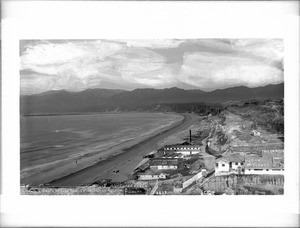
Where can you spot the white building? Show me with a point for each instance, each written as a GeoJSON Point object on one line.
{"type": "Point", "coordinates": [186, 150]}
{"type": "Point", "coordinates": [255, 133]}
{"type": "Point", "coordinates": [229, 164]}
{"type": "Point", "coordinates": [264, 165]}
{"type": "Point", "coordinates": [150, 175]}
{"type": "Point", "coordinates": [270, 162]}
{"type": "Point", "coordinates": [163, 164]}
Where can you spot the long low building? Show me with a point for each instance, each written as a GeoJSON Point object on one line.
{"type": "Point", "coordinates": [186, 150]}
{"type": "Point", "coordinates": [150, 175]}
{"type": "Point", "coordinates": [163, 164]}
{"type": "Point", "coordinates": [262, 165]}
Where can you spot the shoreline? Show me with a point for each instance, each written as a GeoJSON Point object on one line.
{"type": "Point", "coordinates": [125, 161]}
{"type": "Point", "coordinates": [67, 169]}
{"type": "Point", "coordinates": [89, 113]}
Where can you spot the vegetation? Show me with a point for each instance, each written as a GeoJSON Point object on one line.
{"type": "Point", "coordinates": [268, 114]}
{"type": "Point", "coordinates": [221, 138]}
{"type": "Point", "coordinates": [199, 108]}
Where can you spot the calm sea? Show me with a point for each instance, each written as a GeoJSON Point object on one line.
{"type": "Point", "coordinates": [50, 139]}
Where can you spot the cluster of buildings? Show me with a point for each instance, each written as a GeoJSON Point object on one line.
{"type": "Point", "coordinates": [168, 162]}
{"type": "Point", "coordinates": [164, 163]}
{"type": "Point", "coordinates": [269, 162]}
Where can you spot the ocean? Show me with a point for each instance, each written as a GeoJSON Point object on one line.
{"type": "Point", "coordinates": [47, 142]}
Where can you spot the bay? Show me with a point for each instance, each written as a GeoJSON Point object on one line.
{"type": "Point", "coordinates": [48, 142]}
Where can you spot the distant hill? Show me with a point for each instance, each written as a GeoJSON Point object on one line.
{"type": "Point", "coordinates": [65, 102]}
{"type": "Point", "coordinates": [99, 100]}
{"type": "Point", "coordinates": [244, 93]}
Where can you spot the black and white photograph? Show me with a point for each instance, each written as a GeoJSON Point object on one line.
{"type": "Point", "coordinates": [153, 117]}
{"type": "Point", "coordinates": [149, 114]}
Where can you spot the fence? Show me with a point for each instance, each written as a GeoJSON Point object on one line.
{"type": "Point", "coordinates": [192, 180]}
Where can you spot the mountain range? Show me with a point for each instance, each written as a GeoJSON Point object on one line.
{"type": "Point", "coordinates": [99, 100]}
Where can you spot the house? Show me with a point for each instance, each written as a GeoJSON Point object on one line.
{"type": "Point", "coordinates": [264, 165]}
{"type": "Point", "coordinates": [269, 162]}
{"type": "Point", "coordinates": [142, 167]}
{"type": "Point", "coordinates": [229, 164]}
{"type": "Point", "coordinates": [163, 164]}
{"type": "Point", "coordinates": [150, 175]}
{"type": "Point", "coordinates": [255, 133]}
{"type": "Point", "coordinates": [186, 150]}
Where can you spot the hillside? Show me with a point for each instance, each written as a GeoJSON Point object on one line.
{"type": "Point", "coordinates": [100, 100]}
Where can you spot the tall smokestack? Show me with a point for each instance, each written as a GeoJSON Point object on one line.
{"type": "Point", "coordinates": [190, 135]}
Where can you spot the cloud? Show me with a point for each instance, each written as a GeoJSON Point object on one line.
{"type": "Point", "coordinates": [163, 76]}
{"type": "Point", "coordinates": [267, 50]}
{"type": "Point", "coordinates": [155, 43]}
{"type": "Point", "coordinates": [211, 71]}
{"type": "Point", "coordinates": [36, 83]}
{"type": "Point", "coordinates": [206, 63]}
{"type": "Point", "coordinates": [133, 62]}
{"type": "Point", "coordinates": [79, 59]}
{"type": "Point", "coordinates": [76, 65]}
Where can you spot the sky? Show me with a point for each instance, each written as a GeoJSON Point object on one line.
{"type": "Point", "coordinates": [206, 64]}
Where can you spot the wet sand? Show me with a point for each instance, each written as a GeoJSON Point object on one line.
{"type": "Point", "coordinates": [121, 166]}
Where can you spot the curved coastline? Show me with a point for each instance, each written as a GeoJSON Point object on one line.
{"type": "Point", "coordinates": [132, 152]}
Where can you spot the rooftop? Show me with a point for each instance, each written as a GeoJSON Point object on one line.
{"type": "Point", "coordinates": [163, 161]}
{"type": "Point", "coordinates": [174, 147]}
{"type": "Point", "coordinates": [272, 153]}
{"type": "Point", "coordinates": [151, 172]}
{"type": "Point", "coordinates": [172, 155]}
{"type": "Point", "coordinates": [261, 162]}
{"type": "Point", "coordinates": [232, 158]}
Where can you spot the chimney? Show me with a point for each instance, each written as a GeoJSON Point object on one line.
{"type": "Point", "coordinates": [190, 135]}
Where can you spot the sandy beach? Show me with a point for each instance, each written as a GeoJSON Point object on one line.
{"type": "Point", "coordinates": [77, 144]}
{"type": "Point", "coordinates": [120, 166]}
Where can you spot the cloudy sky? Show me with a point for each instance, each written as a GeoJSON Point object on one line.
{"type": "Point", "coordinates": [207, 64]}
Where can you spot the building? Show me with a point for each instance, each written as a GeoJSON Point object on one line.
{"type": "Point", "coordinates": [142, 167]}
{"type": "Point", "coordinates": [255, 133]}
{"type": "Point", "coordinates": [186, 150]}
{"type": "Point", "coordinates": [264, 165]}
{"type": "Point", "coordinates": [151, 154]}
{"type": "Point", "coordinates": [150, 175]}
{"type": "Point", "coordinates": [163, 164]}
{"type": "Point", "coordinates": [229, 165]}
{"type": "Point", "coordinates": [172, 155]}
{"type": "Point", "coordinates": [269, 162]}
{"type": "Point", "coordinates": [273, 153]}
